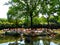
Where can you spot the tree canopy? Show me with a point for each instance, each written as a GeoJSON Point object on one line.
{"type": "Point", "coordinates": [29, 9]}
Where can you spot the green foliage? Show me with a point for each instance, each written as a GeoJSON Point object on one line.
{"type": "Point", "coordinates": [27, 12]}
{"type": "Point", "coordinates": [22, 9]}
{"type": "Point", "coordinates": [3, 20]}
{"type": "Point", "coordinates": [4, 23]}
{"type": "Point", "coordinates": [34, 7]}
{"type": "Point", "coordinates": [59, 19]}
{"type": "Point", "coordinates": [57, 37]}
{"type": "Point", "coordinates": [36, 20]}
{"type": "Point", "coordinates": [43, 20]}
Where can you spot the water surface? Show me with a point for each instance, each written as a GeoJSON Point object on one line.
{"type": "Point", "coordinates": [34, 41]}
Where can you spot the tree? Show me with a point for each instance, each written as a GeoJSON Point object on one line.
{"type": "Point", "coordinates": [49, 8]}
{"type": "Point", "coordinates": [32, 8]}
{"type": "Point", "coordinates": [23, 8]}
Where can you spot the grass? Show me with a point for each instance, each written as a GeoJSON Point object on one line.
{"type": "Point", "coordinates": [1, 32]}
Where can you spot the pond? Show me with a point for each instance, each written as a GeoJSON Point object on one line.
{"type": "Point", "coordinates": [34, 41]}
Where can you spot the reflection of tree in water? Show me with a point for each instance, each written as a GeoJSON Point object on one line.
{"type": "Point", "coordinates": [38, 42]}
{"type": "Point", "coordinates": [28, 41]}
{"type": "Point", "coordinates": [46, 42]}
{"type": "Point", "coordinates": [59, 44]}
{"type": "Point", "coordinates": [32, 41]}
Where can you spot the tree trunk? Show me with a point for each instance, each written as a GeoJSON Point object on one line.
{"type": "Point", "coordinates": [31, 21]}
{"type": "Point", "coordinates": [48, 22]}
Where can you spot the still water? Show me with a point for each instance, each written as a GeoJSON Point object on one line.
{"type": "Point", "coordinates": [34, 41]}
{"type": "Point", "coordinates": [40, 42]}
